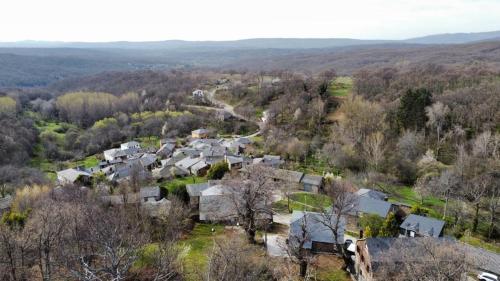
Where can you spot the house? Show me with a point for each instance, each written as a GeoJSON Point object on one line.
{"type": "Point", "coordinates": [415, 226]}
{"type": "Point", "coordinates": [366, 205]}
{"type": "Point", "coordinates": [234, 162]}
{"type": "Point", "coordinates": [119, 153]}
{"type": "Point", "coordinates": [200, 169]}
{"type": "Point", "coordinates": [194, 191]}
{"type": "Point", "coordinates": [152, 193]}
{"type": "Point", "coordinates": [148, 161]}
{"type": "Point", "coordinates": [312, 183]}
{"type": "Point", "coordinates": [293, 178]}
{"type": "Point", "coordinates": [381, 258]}
{"type": "Point", "coordinates": [166, 150]}
{"type": "Point", "coordinates": [319, 237]}
{"type": "Point", "coordinates": [373, 194]}
{"type": "Point", "coordinates": [187, 163]}
{"type": "Point", "coordinates": [129, 145]}
{"type": "Point", "coordinates": [200, 134]}
{"type": "Point", "coordinates": [484, 260]}
{"type": "Point", "coordinates": [72, 176]}
{"type": "Point", "coordinates": [213, 154]}
{"type": "Point", "coordinates": [198, 93]}
{"type": "Point", "coordinates": [169, 172]}
{"type": "Point", "coordinates": [216, 204]}
{"type": "Point", "coordinates": [274, 161]}
{"type": "Point", "coordinates": [5, 204]}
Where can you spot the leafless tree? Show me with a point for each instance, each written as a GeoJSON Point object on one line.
{"type": "Point", "coordinates": [374, 149]}
{"type": "Point", "coordinates": [343, 202]}
{"type": "Point", "coordinates": [295, 248]}
{"type": "Point", "coordinates": [424, 259]}
{"type": "Point", "coordinates": [112, 241]}
{"type": "Point", "coordinates": [231, 260]}
{"type": "Point", "coordinates": [251, 195]}
{"type": "Point", "coordinates": [436, 115]}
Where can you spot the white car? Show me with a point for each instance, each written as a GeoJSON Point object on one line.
{"type": "Point", "coordinates": [484, 276]}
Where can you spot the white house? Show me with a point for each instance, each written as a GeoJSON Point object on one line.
{"type": "Point", "coordinates": [198, 93]}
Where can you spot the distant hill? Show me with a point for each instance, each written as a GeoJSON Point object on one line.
{"type": "Point", "coordinates": [32, 67]}
{"type": "Point", "coordinates": [259, 43]}
{"type": "Point", "coordinates": [456, 38]}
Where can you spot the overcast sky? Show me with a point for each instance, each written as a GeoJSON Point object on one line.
{"type": "Point", "coordinates": [148, 20]}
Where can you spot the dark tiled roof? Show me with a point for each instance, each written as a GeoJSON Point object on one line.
{"type": "Point", "coordinates": [152, 191]}
{"type": "Point", "coordinates": [312, 179]}
{"type": "Point", "coordinates": [423, 225]}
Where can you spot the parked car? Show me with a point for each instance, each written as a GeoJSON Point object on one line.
{"type": "Point", "coordinates": [484, 276]}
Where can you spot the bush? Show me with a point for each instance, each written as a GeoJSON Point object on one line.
{"type": "Point", "coordinates": [372, 222]}
{"type": "Point", "coordinates": [180, 191]}
{"type": "Point", "coordinates": [217, 171]}
{"type": "Point", "coordinates": [418, 210]}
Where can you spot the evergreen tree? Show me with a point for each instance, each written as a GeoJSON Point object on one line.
{"type": "Point", "coordinates": [411, 112]}
{"type": "Point", "coordinates": [390, 226]}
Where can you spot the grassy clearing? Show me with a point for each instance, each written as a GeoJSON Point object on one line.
{"type": "Point", "coordinates": [303, 201]}
{"type": "Point", "coordinates": [477, 242]}
{"type": "Point", "coordinates": [340, 86]}
{"type": "Point", "coordinates": [199, 242]}
{"type": "Point", "coordinates": [87, 162]}
{"type": "Point", "coordinates": [169, 185]}
{"type": "Point", "coordinates": [151, 141]}
{"type": "Point", "coordinates": [330, 268]}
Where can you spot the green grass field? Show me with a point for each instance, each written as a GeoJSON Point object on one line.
{"type": "Point", "coordinates": [303, 201]}
{"type": "Point", "coordinates": [477, 242]}
{"type": "Point", "coordinates": [169, 185]}
{"type": "Point", "coordinates": [199, 242]}
{"type": "Point", "coordinates": [341, 86]}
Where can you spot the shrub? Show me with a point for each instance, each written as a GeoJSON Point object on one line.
{"type": "Point", "coordinates": [180, 191]}
{"type": "Point", "coordinates": [217, 171]}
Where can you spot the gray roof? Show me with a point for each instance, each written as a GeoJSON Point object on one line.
{"type": "Point", "coordinates": [234, 160]}
{"type": "Point", "coordinates": [423, 225]}
{"type": "Point", "coordinates": [371, 194]}
{"type": "Point", "coordinates": [148, 159]}
{"type": "Point", "coordinates": [216, 151]}
{"type": "Point", "coordinates": [201, 131]}
{"type": "Point", "coordinates": [187, 162]}
{"type": "Point", "coordinates": [198, 166]}
{"type": "Point", "coordinates": [197, 188]}
{"type": "Point", "coordinates": [312, 179]}
{"type": "Point", "coordinates": [166, 148]}
{"type": "Point", "coordinates": [316, 230]}
{"type": "Point", "coordinates": [152, 191]}
{"type": "Point", "coordinates": [284, 175]}
{"type": "Point", "coordinates": [71, 175]}
{"type": "Point", "coordinates": [368, 205]}
{"type": "Point", "coordinates": [5, 202]}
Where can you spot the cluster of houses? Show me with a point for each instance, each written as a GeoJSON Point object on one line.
{"type": "Point", "coordinates": [370, 258]}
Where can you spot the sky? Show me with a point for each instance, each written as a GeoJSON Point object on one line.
{"type": "Point", "coordinates": [155, 20]}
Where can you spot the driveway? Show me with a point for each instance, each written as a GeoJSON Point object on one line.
{"type": "Point", "coordinates": [276, 245]}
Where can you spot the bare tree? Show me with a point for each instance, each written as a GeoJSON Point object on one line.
{"type": "Point", "coordinates": [436, 117]}
{"type": "Point", "coordinates": [231, 260]}
{"type": "Point", "coordinates": [374, 149]}
{"type": "Point", "coordinates": [113, 240]}
{"type": "Point", "coordinates": [251, 195]}
{"type": "Point", "coordinates": [343, 202]}
{"type": "Point", "coordinates": [299, 236]}
{"type": "Point", "coordinates": [424, 259]}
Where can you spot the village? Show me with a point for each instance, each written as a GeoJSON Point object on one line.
{"type": "Point", "coordinates": [327, 226]}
